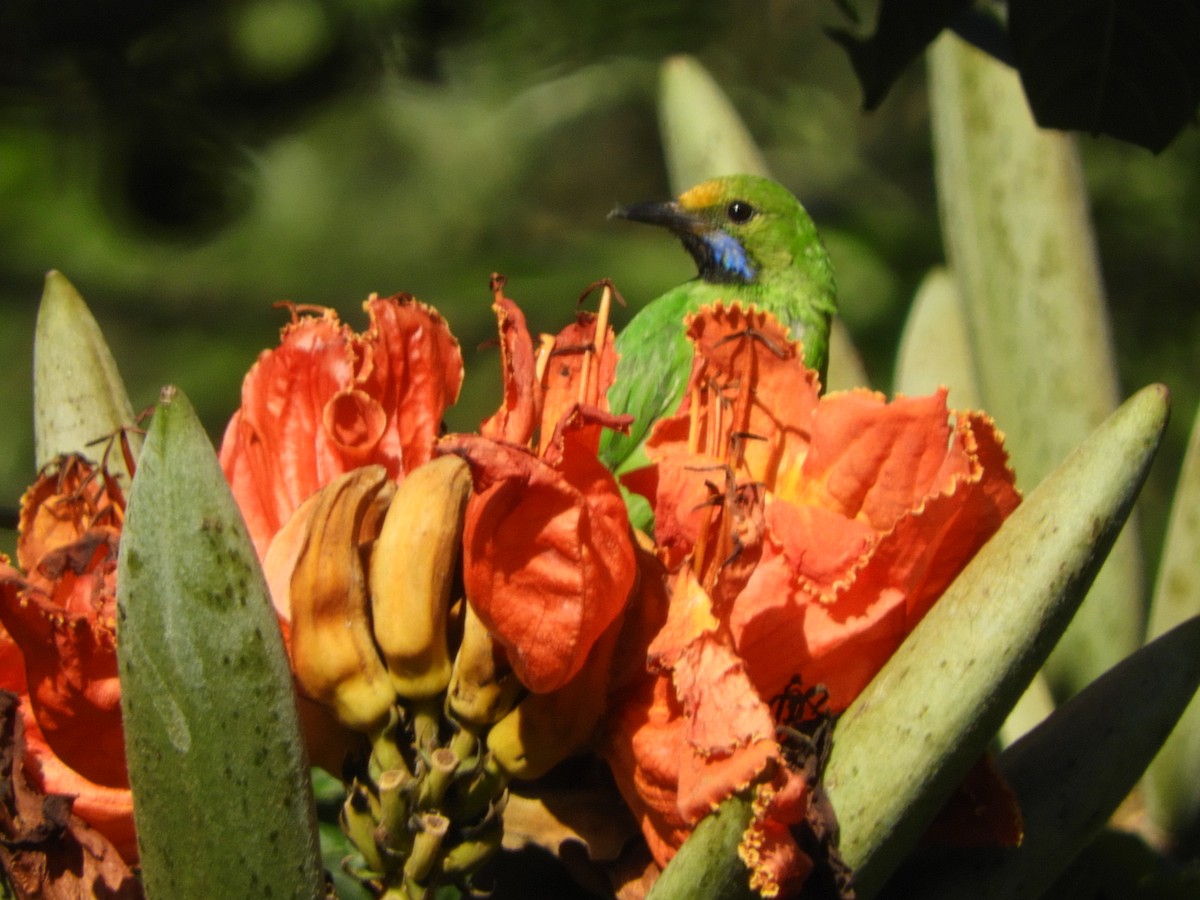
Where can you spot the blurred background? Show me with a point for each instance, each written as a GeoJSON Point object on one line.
{"type": "Point", "coordinates": [188, 164]}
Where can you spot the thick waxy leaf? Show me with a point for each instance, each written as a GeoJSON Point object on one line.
{"type": "Point", "coordinates": [941, 697]}
{"type": "Point", "coordinates": [1173, 780]}
{"type": "Point", "coordinates": [78, 395]}
{"type": "Point", "coordinates": [222, 795]}
{"type": "Point", "coordinates": [1070, 773]}
{"type": "Point", "coordinates": [1015, 215]}
{"type": "Point", "coordinates": [935, 350]}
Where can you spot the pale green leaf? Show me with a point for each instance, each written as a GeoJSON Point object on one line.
{"type": "Point", "coordinates": [936, 352]}
{"type": "Point", "coordinates": [934, 349]}
{"type": "Point", "coordinates": [1020, 242]}
{"type": "Point", "coordinates": [78, 396]}
{"type": "Point", "coordinates": [703, 136]}
{"type": "Point", "coordinates": [846, 367]}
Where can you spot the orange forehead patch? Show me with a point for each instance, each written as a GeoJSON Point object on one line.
{"type": "Point", "coordinates": [702, 196]}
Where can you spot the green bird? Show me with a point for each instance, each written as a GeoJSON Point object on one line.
{"type": "Point", "coordinates": [752, 241]}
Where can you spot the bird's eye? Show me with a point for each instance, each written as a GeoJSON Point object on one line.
{"type": "Point", "coordinates": [739, 211]}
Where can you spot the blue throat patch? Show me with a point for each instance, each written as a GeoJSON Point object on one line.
{"type": "Point", "coordinates": [728, 256]}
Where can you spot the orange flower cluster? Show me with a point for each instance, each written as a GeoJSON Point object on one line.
{"type": "Point", "coordinates": [548, 557]}
{"type": "Point", "coordinates": [58, 649]}
{"type": "Point", "coordinates": [338, 419]}
{"type": "Point", "coordinates": [457, 697]}
{"type": "Point", "coordinates": [798, 539]}
{"type": "Point", "coordinates": [805, 536]}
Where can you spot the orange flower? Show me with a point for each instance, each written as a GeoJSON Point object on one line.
{"type": "Point", "coordinates": [328, 400]}
{"type": "Point", "coordinates": [548, 558]}
{"type": "Point", "coordinates": [805, 536]}
{"type": "Point", "coordinates": [58, 649]}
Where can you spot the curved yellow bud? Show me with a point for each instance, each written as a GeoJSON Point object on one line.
{"type": "Point", "coordinates": [333, 654]}
{"type": "Point", "coordinates": [544, 729]}
{"type": "Point", "coordinates": [482, 688]}
{"type": "Point", "coordinates": [412, 569]}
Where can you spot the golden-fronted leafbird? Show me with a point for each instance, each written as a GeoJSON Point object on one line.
{"type": "Point", "coordinates": [752, 241]}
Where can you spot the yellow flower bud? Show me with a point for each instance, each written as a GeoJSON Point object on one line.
{"type": "Point", "coordinates": [334, 657]}
{"type": "Point", "coordinates": [412, 569]}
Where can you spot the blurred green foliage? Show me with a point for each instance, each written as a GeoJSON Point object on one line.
{"type": "Point", "coordinates": [188, 164]}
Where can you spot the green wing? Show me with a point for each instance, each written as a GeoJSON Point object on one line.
{"type": "Point", "coordinates": [655, 361]}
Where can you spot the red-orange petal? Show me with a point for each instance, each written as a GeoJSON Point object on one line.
{"type": "Point", "coordinates": [548, 559]}
{"type": "Point", "coordinates": [71, 667]}
{"type": "Point", "coordinates": [577, 374]}
{"type": "Point", "coordinates": [841, 628]}
{"type": "Point", "coordinates": [874, 460]}
{"type": "Point", "coordinates": [62, 615]}
{"type": "Point", "coordinates": [643, 744]}
{"type": "Point", "coordinates": [521, 410]}
{"type": "Point", "coordinates": [328, 400]}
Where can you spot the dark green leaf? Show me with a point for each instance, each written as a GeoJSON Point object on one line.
{"type": "Point", "coordinates": [902, 32]}
{"type": "Point", "coordinates": [849, 9]}
{"type": "Point", "coordinates": [1070, 773]}
{"type": "Point", "coordinates": [1126, 68]}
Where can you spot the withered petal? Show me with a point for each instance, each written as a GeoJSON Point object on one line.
{"type": "Point", "coordinates": [521, 410]}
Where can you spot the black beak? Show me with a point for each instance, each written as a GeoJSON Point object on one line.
{"type": "Point", "coordinates": [667, 213]}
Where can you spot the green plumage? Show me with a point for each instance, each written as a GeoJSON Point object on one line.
{"type": "Point", "coordinates": [752, 241]}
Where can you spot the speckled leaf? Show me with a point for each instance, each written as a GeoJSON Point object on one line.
{"type": "Point", "coordinates": [78, 395]}
{"type": "Point", "coordinates": [942, 695]}
{"type": "Point", "coordinates": [707, 866]}
{"type": "Point", "coordinates": [1019, 239]}
{"type": "Point", "coordinates": [222, 796]}
{"type": "Point", "coordinates": [1173, 780]}
{"type": "Point", "coordinates": [935, 351]}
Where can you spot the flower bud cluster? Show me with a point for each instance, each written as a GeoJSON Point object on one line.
{"type": "Point", "coordinates": [378, 638]}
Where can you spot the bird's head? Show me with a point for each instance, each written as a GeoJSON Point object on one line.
{"type": "Point", "coordinates": [737, 228]}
